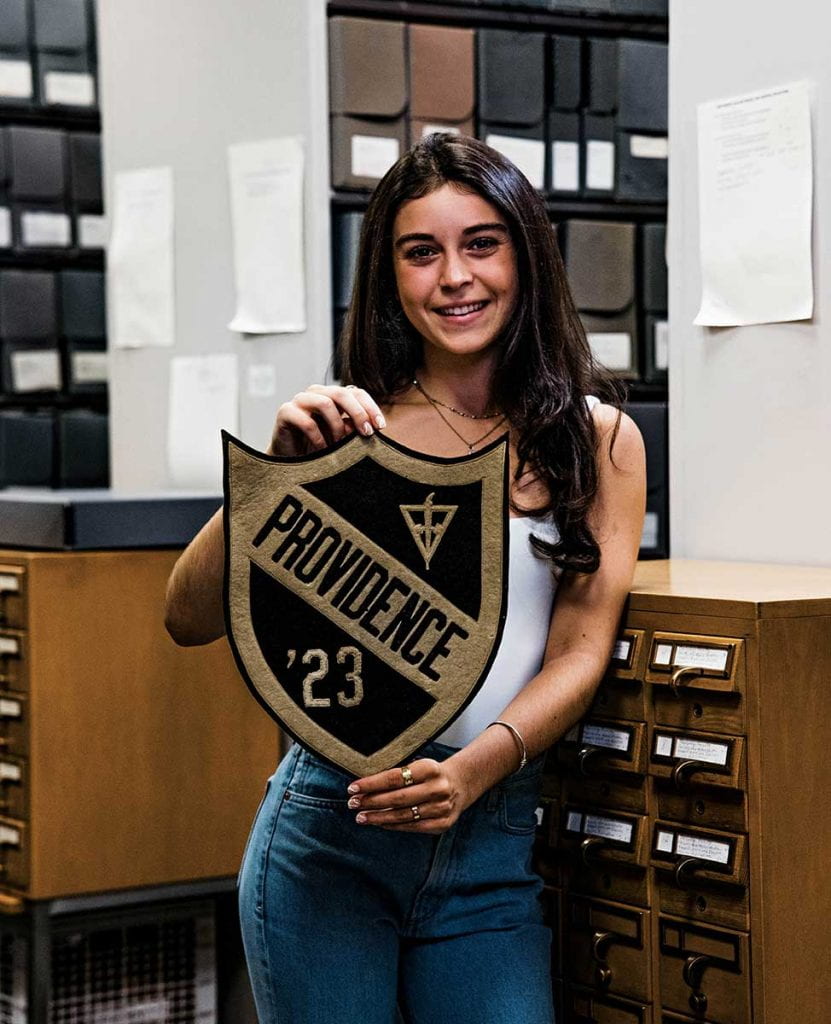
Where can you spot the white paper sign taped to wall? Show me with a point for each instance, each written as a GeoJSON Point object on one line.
{"type": "Point", "coordinates": [266, 180]}
{"type": "Point", "coordinates": [755, 188]}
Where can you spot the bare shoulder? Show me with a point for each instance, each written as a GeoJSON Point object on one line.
{"type": "Point", "coordinates": [619, 436]}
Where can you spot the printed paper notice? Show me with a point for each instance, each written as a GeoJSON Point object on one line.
{"type": "Point", "coordinates": [203, 401]}
{"type": "Point", "coordinates": [140, 259]}
{"type": "Point", "coordinates": [267, 212]}
{"type": "Point", "coordinates": [755, 185]}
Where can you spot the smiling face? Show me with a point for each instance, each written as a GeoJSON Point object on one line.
{"type": "Point", "coordinates": [455, 267]}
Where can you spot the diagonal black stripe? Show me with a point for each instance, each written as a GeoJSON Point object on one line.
{"type": "Point", "coordinates": [369, 496]}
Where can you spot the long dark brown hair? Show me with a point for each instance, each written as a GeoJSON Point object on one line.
{"type": "Point", "coordinates": [545, 367]}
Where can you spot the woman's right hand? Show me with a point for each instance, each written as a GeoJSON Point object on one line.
{"type": "Point", "coordinates": [320, 416]}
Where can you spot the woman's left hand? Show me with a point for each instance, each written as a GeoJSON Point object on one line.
{"type": "Point", "coordinates": [430, 804]}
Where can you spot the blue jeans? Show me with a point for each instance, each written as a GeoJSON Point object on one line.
{"type": "Point", "coordinates": [343, 922]}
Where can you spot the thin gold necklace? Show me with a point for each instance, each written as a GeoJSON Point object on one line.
{"type": "Point", "coordinates": [471, 445]}
{"type": "Point", "coordinates": [467, 415]}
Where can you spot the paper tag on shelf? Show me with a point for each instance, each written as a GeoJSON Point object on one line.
{"type": "Point", "coordinates": [663, 746]}
{"type": "Point", "coordinates": [69, 88]}
{"type": "Point", "coordinates": [663, 654]}
{"type": "Point", "coordinates": [527, 154]}
{"type": "Point", "coordinates": [90, 367]}
{"type": "Point", "coordinates": [36, 370]}
{"type": "Point", "coordinates": [612, 348]}
{"type": "Point", "coordinates": [10, 772]}
{"type": "Point", "coordinates": [665, 842]}
{"type": "Point", "coordinates": [649, 147]}
{"type": "Point", "coordinates": [565, 166]}
{"type": "Point", "coordinates": [5, 227]}
{"type": "Point", "coordinates": [45, 228]}
{"type": "Point", "coordinates": [431, 129]}
{"type": "Point", "coordinates": [9, 583]}
{"type": "Point", "coordinates": [574, 821]}
{"type": "Point", "coordinates": [16, 79]}
{"type": "Point", "coordinates": [661, 345]}
{"type": "Point", "coordinates": [372, 156]}
{"type": "Point", "coordinates": [93, 231]}
{"type": "Point", "coordinates": [600, 165]}
{"type": "Point", "coordinates": [9, 836]}
{"type": "Point", "coordinates": [649, 534]}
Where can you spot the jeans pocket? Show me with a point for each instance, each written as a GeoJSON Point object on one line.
{"type": "Point", "coordinates": [316, 783]}
{"type": "Point", "coordinates": [518, 799]}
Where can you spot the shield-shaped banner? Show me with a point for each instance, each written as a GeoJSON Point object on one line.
{"type": "Point", "coordinates": [365, 590]}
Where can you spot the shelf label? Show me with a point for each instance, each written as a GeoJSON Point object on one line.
{"type": "Point", "coordinates": [10, 772]}
{"type": "Point", "coordinates": [661, 345]}
{"type": "Point", "coordinates": [89, 367]}
{"type": "Point", "coordinates": [372, 156]}
{"type": "Point", "coordinates": [5, 227]}
{"type": "Point", "coordinates": [432, 129]}
{"type": "Point", "coordinates": [600, 165]}
{"type": "Point", "coordinates": [43, 228]}
{"type": "Point", "coordinates": [93, 231]}
{"type": "Point", "coordinates": [649, 147]}
{"type": "Point", "coordinates": [603, 736]}
{"type": "Point", "coordinates": [612, 348]}
{"type": "Point", "coordinates": [16, 79]}
{"type": "Point", "coordinates": [665, 842]}
{"type": "Point", "coordinates": [69, 88]}
{"type": "Point", "coordinates": [565, 166]}
{"type": "Point", "coordinates": [527, 154]}
{"type": "Point", "coordinates": [36, 370]}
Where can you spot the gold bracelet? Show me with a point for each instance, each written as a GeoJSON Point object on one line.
{"type": "Point", "coordinates": [523, 753]}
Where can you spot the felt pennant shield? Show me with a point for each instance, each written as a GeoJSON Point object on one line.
{"type": "Point", "coordinates": [365, 590]}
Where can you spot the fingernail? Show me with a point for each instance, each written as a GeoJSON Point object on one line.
{"type": "Point", "coordinates": [379, 419]}
{"type": "Point", "coordinates": [367, 428]}
{"type": "Point", "coordinates": [361, 819]}
{"type": "Point", "coordinates": [354, 802]}
{"type": "Point", "coordinates": [353, 788]}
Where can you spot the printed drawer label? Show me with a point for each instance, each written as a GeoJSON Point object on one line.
{"type": "Point", "coordinates": [691, 749]}
{"type": "Point", "coordinates": [9, 645]}
{"type": "Point", "coordinates": [703, 849]}
{"type": "Point", "coordinates": [702, 657]}
{"type": "Point", "coordinates": [10, 708]}
{"type": "Point", "coordinates": [603, 736]}
{"type": "Point", "coordinates": [10, 772]}
{"type": "Point", "coordinates": [608, 828]}
{"type": "Point", "coordinates": [9, 836]}
{"type": "Point", "coordinates": [622, 649]}
{"type": "Point", "coordinates": [9, 583]}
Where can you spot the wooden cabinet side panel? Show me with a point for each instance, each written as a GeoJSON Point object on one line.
{"type": "Point", "coordinates": [148, 760]}
{"type": "Point", "coordinates": [794, 840]}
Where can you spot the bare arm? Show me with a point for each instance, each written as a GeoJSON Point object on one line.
{"type": "Point", "coordinates": [583, 630]}
{"type": "Point", "coordinates": [312, 420]}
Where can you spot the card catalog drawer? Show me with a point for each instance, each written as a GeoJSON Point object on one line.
{"type": "Point", "coordinates": [724, 809]}
{"type": "Point", "coordinates": [14, 786]}
{"type": "Point", "coordinates": [585, 1007]}
{"type": "Point", "coordinates": [13, 596]}
{"type": "Point", "coordinates": [683, 661]}
{"type": "Point", "coordinates": [14, 660]}
{"type": "Point", "coordinates": [690, 760]}
{"type": "Point", "coordinates": [701, 873]}
{"type": "Point", "coordinates": [705, 972]}
{"type": "Point", "coordinates": [708, 710]}
{"type": "Point", "coordinates": [14, 723]}
{"type": "Point", "coordinates": [628, 655]}
{"type": "Point", "coordinates": [607, 948]}
{"type": "Point", "coordinates": [620, 698]}
{"type": "Point", "coordinates": [621, 794]}
{"type": "Point", "coordinates": [605, 854]}
{"type": "Point", "coordinates": [14, 853]}
{"type": "Point", "coordinates": [605, 748]}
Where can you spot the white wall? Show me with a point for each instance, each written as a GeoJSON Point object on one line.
{"type": "Point", "coordinates": [180, 81]}
{"type": "Point", "coordinates": [750, 407]}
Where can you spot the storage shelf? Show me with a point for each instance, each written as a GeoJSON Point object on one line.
{"type": "Point", "coordinates": [531, 19]}
{"type": "Point", "coordinates": [558, 208]}
{"type": "Point", "coordinates": [64, 259]}
{"type": "Point", "coordinates": [51, 117]}
{"type": "Point", "coordinates": [49, 401]}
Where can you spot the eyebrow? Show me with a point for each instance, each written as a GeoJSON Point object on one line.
{"type": "Point", "coordinates": [472, 230]}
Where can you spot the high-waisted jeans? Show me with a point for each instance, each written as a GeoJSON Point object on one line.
{"type": "Point", "coordinates": [342, 923]}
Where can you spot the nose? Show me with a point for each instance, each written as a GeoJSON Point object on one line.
{"type": "Point", "coordinates": [455, 273]}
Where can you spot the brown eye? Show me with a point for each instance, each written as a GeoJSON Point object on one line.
{"type": "Point", "coordinates": [483, 243]}
{"type": "Point", "coordinates": [419, 252]}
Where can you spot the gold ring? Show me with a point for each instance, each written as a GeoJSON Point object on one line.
{"type": "Point", "coordinates": [407, 776]}
{"type": "Point", "coordinates": [416, 813]}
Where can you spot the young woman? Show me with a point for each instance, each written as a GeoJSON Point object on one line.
{"type": "Point", "coordinates": [412, 887]}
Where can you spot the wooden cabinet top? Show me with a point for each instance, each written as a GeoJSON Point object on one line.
{"type": "Point", "coordinates": [740, 589]}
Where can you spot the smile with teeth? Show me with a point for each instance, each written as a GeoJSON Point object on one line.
{"type": "Point", "coordinates": [470, 307]}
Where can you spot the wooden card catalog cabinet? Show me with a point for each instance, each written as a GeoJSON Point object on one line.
{"type": "Point", "coordinates": [686, 832]}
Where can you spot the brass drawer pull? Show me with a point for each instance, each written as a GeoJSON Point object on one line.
{"type": "Point", "coordinates": [681, 677]}
{"type": "Point", "coordinates": [684, 769]}
{"type": "Point", "coordinates": [693, 973]}
{"type": "Point", "coordinates": [589, 844]}
{"type": "Point", "coordinates": [586, 759]}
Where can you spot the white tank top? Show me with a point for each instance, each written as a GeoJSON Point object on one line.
{"type": "Point", "coordinates": [531, 589]}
